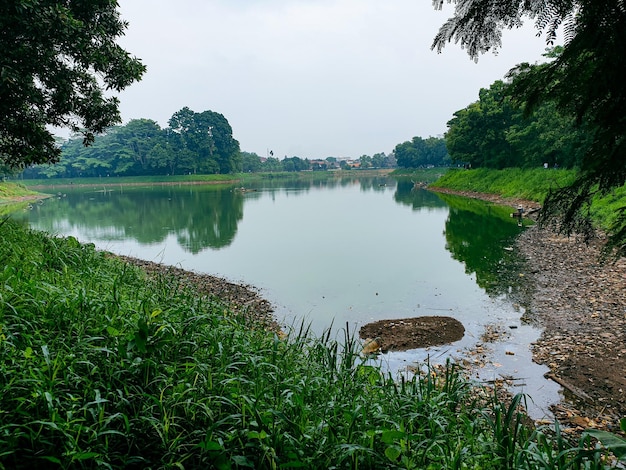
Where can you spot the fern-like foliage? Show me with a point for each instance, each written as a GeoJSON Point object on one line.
{"type": "Point", "coordinates": [477, 24]}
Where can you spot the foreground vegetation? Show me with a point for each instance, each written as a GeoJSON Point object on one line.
{"type": "Point", "coordinates": [104, 367]}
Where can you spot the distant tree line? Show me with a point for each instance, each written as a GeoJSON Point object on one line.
{"type": "Point", "coordinates": [192, 143]}
{"type": "Point", "coordinates": [252, 162]}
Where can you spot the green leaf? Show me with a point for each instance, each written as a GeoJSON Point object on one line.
{"type": "Point", "coordinates": [294, 464]}
{"type": "Point", "coordinates": [242, 461]}
{"type": "Point", "coordinates": [391, 436]}
{"type": "Point", "coordinates": [393, 453]}
{"type": "Point", "coordinates": [85, 455]}
{"type": "Point", "coordinates": [257, 435]}
{"type": "Point", "coordinates": [112, 331]}
{"type": "Point", "coordinates": [614, 443]}
{"type": "Point", "coordinates": [210, 445]}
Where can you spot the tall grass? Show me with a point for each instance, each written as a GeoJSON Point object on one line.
{"type": "Point", "coordinates": [102, 367]}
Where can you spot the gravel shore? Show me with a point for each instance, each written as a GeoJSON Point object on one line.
{"type": "Point", "coordinates": [241, 299]}
{"type": "Point", "coordinates": [580, 303]}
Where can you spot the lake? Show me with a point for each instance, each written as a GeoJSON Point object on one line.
{"type": "Point", "coordinates": [332, 252]}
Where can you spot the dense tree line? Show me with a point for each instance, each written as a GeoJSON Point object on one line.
{"type": "Point", "coordinates": [498, 131]}
{"type": "Point", "coordinates": [252, 162]}
{"type": "Point", "coordinates": [192, 143]}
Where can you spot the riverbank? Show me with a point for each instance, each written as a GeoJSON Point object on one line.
{"type": "Point", "coordinates": [580, 304]}
{"type": "Point", "coordinates": [12, 193]}
{"type": "Point", "coordinates": [569, 270]}
{"type": "Point", "coordinates": [241, 299]}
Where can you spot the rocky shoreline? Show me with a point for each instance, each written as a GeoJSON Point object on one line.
{"type": "Point", "coordinates": [239, 298]}
{"type": "Point", "coordinates": [579, 303]}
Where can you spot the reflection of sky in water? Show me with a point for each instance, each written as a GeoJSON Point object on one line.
{"type": "Point", "coordinates": [339, 256]}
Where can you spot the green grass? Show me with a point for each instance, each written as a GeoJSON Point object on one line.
{"type": "Point", "coordinates": [421, 175]}
{"type": "Point", "coordinates": [130, 180]}
{"type": "Point", "coordinates": [228, 178]}
{"type": "Point", "coordinates": [10, 191]}
{"type": "Point", "coordinates": [532, 185]}
{"type": "Point", "coordinates": [512, 182]}
{"type": "Point", "coordinates": [103, 367]}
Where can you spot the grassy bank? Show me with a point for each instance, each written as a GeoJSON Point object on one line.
{"type": "Point", "coordinates": [532, 185]}
{"type": "Point", "coordinates": [105, 367]}
{"type": "Point", "coordinates": [209, 179]}
{"type": "Point", "coordinates": [10, 192]}
{"type": "Point", "coordinates": [54, 182]}
{"type": "Point", "coordinates": [15, 197]}
{"type": "Point", "coordinates": [421, 175]}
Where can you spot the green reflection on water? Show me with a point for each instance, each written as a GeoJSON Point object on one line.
{"type": "Point", "coordinates": [481, 235]}
{"type": "Point", "coordinates": [207, 216]}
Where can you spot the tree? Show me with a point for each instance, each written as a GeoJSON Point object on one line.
{"type": "Point", "coordinates": [137, 140]}
{"type": "Point", "coordinates": [365, 161]}
{"type": "Point", "coordinates": [251, 162]}
{"type": "Point", "coordinates": [478, 134]}
{"type": "Point", "coordinates": [421, 152]}
{"type": "Point", "coordinates": [57, 59]}
{"type": "Point", "coordinates": [586, 80]}
{"type": "Point", "coordinates": [495, 132]}
{"type": "Point", "coordinates": [209, 137]}
{"type": "Point", "coordinates": [379, 160]}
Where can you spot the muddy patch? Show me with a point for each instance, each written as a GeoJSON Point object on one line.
{"type": "Point", "coordinates": [412, 333]}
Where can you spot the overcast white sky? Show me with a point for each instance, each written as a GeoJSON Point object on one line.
{"type": "Point", "coordinates": [308, 78]}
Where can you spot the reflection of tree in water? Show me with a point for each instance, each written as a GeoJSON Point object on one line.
{"type": "Point", "coordinates": [200, 217]}
{"type": "Point", "coordinates": [301, 185]}
{"type": "Point", "coordinates": [480, 235]}
{"type": "Point", "coordinates": [212, 221]}
{"type": "Point", "coordinates": [408, 195]}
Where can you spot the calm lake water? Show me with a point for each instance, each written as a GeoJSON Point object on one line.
{"type": "Point", "coordinates": [343, 251]}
